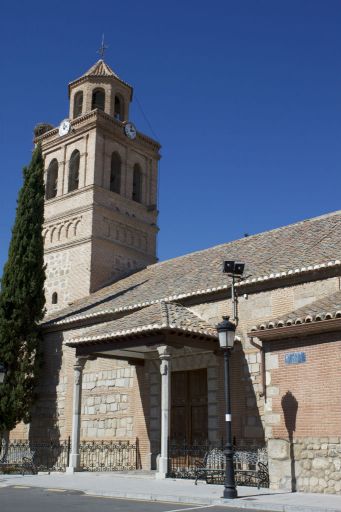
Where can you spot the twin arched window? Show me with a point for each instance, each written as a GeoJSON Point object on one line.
{"type": "Point", "coordinates": [78, 104]}
{"type": "Point", "coordinates": [115, 173]}
{"type": "Point", "coordinates": [52, 180]}
{"type": "Point", "coordinates": [74, 171]}
{"type": "Point", "coordinates": [119, 108]}
{"type": "Point", "coordinates": [98, 99]}
{"type": "Point", "coordinates": [137, 184]}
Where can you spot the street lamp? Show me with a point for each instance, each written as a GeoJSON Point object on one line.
{"type": "Point", "coordinates": [226, 332]}
{"type": "Point", "coordinates": [2, 373]}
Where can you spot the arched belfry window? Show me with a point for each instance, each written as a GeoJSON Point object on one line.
{"type": "Point", "coordinates": [74, 170]}
{"type": "Point", "coordinates": [137, 183]}
{"type": "Point", "coordinates": [51, 180]}
{"type": "Point", "coordinates": [115, 173]}
{"type": "Point", "coordinates": [54, 298]}
{"type": "Point", "coordinates": [119, 108]}
{"type": "Point", "coordinates": [98, 99]}
{"type": "Point", "coordinates": [78, 104]}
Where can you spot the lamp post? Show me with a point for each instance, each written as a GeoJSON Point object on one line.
{"type": "Point", "coordinates": [226, 332]}
{"type": "Point", "coordinates": [2, 373]}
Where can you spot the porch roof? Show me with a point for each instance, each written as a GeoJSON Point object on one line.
{"type": "Point", "coordinates": [158, 317]}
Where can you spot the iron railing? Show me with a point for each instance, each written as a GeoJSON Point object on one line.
{"type": "Point", "coordinates": [250, 463]}
{"type": "Point", "coordinates": [108, 455]}
{"type": "Point", "coordinates": [54, 455]}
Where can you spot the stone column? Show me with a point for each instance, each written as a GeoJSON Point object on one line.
{"type": "Point", "coordinates": [165, 370]}
{"type": "Point", "coordinates": [76, 415]}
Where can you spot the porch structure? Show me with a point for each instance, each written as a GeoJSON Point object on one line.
{"type": "Point", "coordinates": [159, 330]}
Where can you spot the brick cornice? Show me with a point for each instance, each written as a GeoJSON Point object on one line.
{"type": "Point", "coordinates": [90, 120]}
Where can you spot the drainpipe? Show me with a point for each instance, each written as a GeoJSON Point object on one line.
{"type": "Point", "coordinates": [262, 353]}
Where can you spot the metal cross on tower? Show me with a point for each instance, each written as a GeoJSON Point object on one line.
{"type": "Point", "coordinates": [102, 48]}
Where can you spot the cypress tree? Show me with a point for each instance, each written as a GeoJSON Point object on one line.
{"type": "Point", "coordinates": [22, 300]}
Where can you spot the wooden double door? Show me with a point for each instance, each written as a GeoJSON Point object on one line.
{"type": "Point", "coordinates": [189, 420]}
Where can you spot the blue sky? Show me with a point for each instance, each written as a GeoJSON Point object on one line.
{"type": "Point", "coordinates": [244, 96]}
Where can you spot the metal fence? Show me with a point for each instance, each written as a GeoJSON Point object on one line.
{"type": "Point", "coordinates": [108, 455]}
{"type": "Point", "coordinates": [54, 455]}
{"type": "Point", "coordinates": [250, 463]}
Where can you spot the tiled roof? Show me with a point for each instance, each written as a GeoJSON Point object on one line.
{"type": "Point", "coordinates": [306, 246]}
{"type": "Point", "coordinates": [327, 308]}
{"type": "Point", "coordinates": [99, 69]}
{"type": "Point", "coordinates": [158, 317]}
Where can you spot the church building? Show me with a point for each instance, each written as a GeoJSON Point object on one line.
{"type": "Point", "coordinates": [130, 344]}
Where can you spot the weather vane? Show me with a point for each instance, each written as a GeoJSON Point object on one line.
{"type": "Point", "coordinates": [102, 48]}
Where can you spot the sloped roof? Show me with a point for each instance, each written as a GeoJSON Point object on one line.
{"type": "Point", "coordinates": [327, 308]}
{"type": "Point", "coordinates": [158, 317]}
{"type": "Point", "coordinates": [99, 69]}
{"type": "Point", "coordinates": [297, 248]}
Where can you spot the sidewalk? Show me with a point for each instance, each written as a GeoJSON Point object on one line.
{"type": "Point", "coordinates": [146, 487]}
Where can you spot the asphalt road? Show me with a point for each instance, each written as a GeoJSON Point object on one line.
{"type": "Point", "coordinates": [34, 499]}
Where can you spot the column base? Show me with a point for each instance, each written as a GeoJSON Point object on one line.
{"type": "Point", "coordinates": [74, 463]}
{"type": "Point", "coordinates": [162, 468]}
{"type": "Point", "coordinates": [160, 476]}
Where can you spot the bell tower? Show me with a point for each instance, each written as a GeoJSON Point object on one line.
{"type": "Point", "coordinates": [101, 190]}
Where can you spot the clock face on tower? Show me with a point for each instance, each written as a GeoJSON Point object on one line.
{"type": "Point", "coordinates": [64, 127]}
{"type": "Point", "coordinates": [130, 131]}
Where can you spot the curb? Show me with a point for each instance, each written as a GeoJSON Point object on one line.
{"type": "Point", "coordinates": [241, 504]}
{"type": "Point", "coordinates": [236, 504]}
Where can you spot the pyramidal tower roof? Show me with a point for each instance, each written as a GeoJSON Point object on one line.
{"type": "Point", "coordinates": [99, 69]}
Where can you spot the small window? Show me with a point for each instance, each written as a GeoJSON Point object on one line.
{"type": "Point", "coordinates": [52, 180]}
{"type": "Point", "coordinates": [118, 109]}
{"type": "Point", "coordinates": [54, 298]}
{"type": "Point", "coordinates": [78, 104]}
{"type": "Point", "coordinates": [74, 171]}
{"type": "Point", "coordinates": [115, 174]}
{"type": "Point", "coordinates": [98, 99]}
{"type": "Point", "coordinates": [137, 184]}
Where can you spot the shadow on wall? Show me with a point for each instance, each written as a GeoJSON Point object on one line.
{"type": "Point", "coordinates": [247, 428]}
{"type": "Point", "coordinates": [142, 401]}
{"type": "Point", "coordinates": [44, 433]}
{"type": "Point", "coordinates": [290, 407]}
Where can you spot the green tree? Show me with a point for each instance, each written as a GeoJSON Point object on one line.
{"type": "Point", "coordinates": [22, 300]}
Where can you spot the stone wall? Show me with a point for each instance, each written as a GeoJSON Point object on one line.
{"type": "Point", "coordinates": [308, 465]}
{"type": "Point", "coordinates": [106, 411]}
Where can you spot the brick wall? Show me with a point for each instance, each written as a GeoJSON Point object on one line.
{"type": "Point", "coordinates": [303, 414]}
{"type": "Point", "coordinates": [314, 387]}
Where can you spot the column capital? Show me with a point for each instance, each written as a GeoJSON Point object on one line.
{"type": "Point", "coordinates": [165, 351]}
{"type": "Point", "coordinates": [80, 363]}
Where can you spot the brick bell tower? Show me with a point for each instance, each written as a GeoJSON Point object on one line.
{"type": "Point", "coordinates": [101, 190]}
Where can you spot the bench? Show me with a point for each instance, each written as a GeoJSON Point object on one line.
{"type": "Point", "coordinates": [20, 459]}
{"type": "Point", "coordinates": [249, 469]}
{"type": "Point", "coordinates": [212, 467]}
{"type": "Point", "coordinates": [251, 466]}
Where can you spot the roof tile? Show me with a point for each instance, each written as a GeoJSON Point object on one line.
{"type": "Point", "coordinates": [151, 318]}
{"type": "Point", "coordinates": [284, 251]}
{"type": "Point", "coordinates": [326, 308]}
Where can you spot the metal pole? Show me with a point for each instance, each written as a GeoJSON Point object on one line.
{"type": "Point", "coordinates": [230, 490]}
{"type": "Point", "coordinates": [233, 297]}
